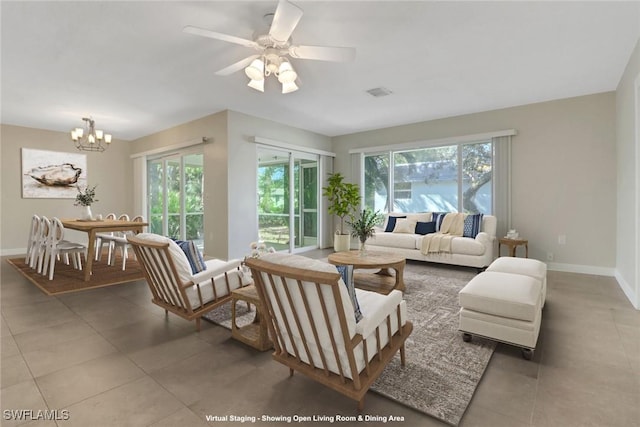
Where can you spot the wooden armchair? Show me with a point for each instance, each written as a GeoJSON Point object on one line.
{"type": "Point", "coordinates": [172, 283]}
{"type": "Point", "coordinates": [313, 328]}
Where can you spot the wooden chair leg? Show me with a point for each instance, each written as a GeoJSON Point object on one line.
{"type": "Point", "coordinates": [402, 356]}
{"type": "Point", "coordinates": [290, 372]}
{"type": "Point", "coordinates": [198, 324]}
{"type": "Point", "coordinates": [361, 404]}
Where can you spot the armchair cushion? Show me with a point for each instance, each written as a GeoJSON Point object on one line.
{"type": "Point", "coordinates": [376, 307]}
{"type": "Point", "coordinates": [196, 262]}
{"type": "Point", "coordinates": [346, 271]}
{"type": "Point", "coordinates": [179, 258]}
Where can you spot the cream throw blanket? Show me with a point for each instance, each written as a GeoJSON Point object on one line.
{"type": "Point", "coordinates": [452, 226]}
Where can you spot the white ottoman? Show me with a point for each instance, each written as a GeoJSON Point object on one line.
{"type": "Point", "coordinates": [504, 307]}
{"type": "Point", "coordinates": [525, 266]}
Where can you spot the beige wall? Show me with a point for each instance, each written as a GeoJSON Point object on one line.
{"type": "Point", "coordinates": [628, 176]}
{"type": "Point", "coordinates": [109, 170]}
{"type": "Point", "coordinates": [242, 196]}
{"type": "Point", "coordinates": [563, 169]}
{"type": "Point", "coordinates": [230, 172]}
{"type": "Point", "coordinates": [213, 127]}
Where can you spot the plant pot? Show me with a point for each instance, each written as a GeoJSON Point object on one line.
{"type": "Point", "coordinates": [341, 242]}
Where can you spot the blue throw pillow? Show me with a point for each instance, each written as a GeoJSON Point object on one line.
{"type": "Point", "coordinates": [425, 227]}
{"type": "Point", "coordinates": [472, 225]}
{"type": "Point", "coordinates": [391, 223]}
{"type": "Point", "coordinates": [346, 271]}
{"type": "Point", "coordinates": [437, 217]}
{"type": "Point", "coordinates": [193, 255]}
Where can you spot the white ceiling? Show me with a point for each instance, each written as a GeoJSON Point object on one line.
{"type": "Point", "coordinates": [130, 66]}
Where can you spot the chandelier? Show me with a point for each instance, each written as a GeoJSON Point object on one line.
{"type": "Point", "coordinates": [269, 64]}
{"type": "Point", "coordinates": [90, 138]}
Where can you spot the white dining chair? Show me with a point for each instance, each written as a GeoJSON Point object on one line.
{"type": "Point", "coordinates": [41, 244]}
{"type": "Point", "coordinates": [56, 246]}
{"type": "Point", "coordinates": [102, 238]}
{"type": "Point", "coordinates": [109, 239]}
{"type": "Point", "coordinates": [33, 239]}
{"type": "Point", "coordinates": [122, 243]}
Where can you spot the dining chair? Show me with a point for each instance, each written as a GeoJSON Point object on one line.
{"type": "Point", "coordinates": [56, 245]}
{"type": "Point", "coordinates": [120, 241]}
{"type": "Point", "coordinates": [33, 239]}
{"type": "Point", "coordinates": [110, 238]}
{"type": "Point", "coordinates": [102, 238]}
{"type": "Point", "coordinates": [41, 244]}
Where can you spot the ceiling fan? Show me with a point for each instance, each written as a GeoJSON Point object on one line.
{"type": "Point", "coordinates": [274, 50]}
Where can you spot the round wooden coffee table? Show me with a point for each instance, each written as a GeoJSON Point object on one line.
{"type": "Point", "coordinates": [382, 281]}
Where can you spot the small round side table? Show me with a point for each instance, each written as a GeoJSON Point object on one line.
{"type": "Point", "coordinates": [513, 244]}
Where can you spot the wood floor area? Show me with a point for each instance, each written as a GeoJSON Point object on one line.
{"type": "Point", "coordinates": [110, 358]}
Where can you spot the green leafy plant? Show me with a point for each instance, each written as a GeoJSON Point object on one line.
{"type": "Point", "coordinates": [86, 197]}
{"type": "Point", "coordinates": [363, 226]}
{"type": "Point", "coordinates": [343, 198]}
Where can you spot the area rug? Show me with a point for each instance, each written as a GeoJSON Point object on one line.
{"type": "Point", "coordinates": [67, 279]}
{"type": "Point", "coordinates": [442, 371]}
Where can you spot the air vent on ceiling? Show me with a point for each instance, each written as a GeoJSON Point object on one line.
{"type": "Point", "coordinates": [379, 91]}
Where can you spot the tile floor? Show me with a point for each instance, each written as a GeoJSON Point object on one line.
{"type": "Point", "coordinates": [110, 358]}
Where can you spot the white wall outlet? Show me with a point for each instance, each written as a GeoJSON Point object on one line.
{"type": "Point", "coordinates": [562, 239]}
{"type": "Point", "coordinates": [549, 256]}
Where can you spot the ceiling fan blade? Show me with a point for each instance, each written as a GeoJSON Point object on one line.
{"type": "Point", "coordinates": [243, 63]}
{"type": "Point", "coordinates": [323, 53]}
{"type": "Point", "coordinates": [285, 20]}
{"type": "Point", "coordinates": [219, 36]}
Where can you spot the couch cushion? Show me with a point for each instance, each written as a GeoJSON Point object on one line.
{"type": "Point", "coordinates": [405, 226]}
{"type": "Point", "coordinates": [394, 240]}
{"type": "Point", "coordinates": [503, 294]}
{"type": "Point", "coordinates": [423, 228]}
{"type": "Point", "coordinates": [472, 225]}
{"type": "Point", "coordinates": [419, 217]}
{"type": "Point", "coordinates": [390, 223]}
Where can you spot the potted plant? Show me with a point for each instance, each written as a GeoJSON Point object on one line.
{"type": "Point", "coordinates": [363, 226]}
{"type": "Point", "coordinates": [343, 199]}
{"type": "Point", "coordinates": [85, 199]}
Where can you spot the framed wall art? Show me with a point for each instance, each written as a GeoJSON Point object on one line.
{"type": "Point", "coordinates": [52, 174]}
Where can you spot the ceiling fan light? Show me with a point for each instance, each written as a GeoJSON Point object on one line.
{"type": "Point", "coordinates": [289, 87]}
{"type": "Point", "coordinates": [107, 138]}
{"type": "Point", "coordinates": [286, 73]}
{"type": "Point", "coordinates": [257, 85]}
{"type": "Point", "coordinates": [255, 71]}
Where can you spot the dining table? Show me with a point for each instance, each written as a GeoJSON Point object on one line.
{"type": "Point", "coordinates": [93, 227]}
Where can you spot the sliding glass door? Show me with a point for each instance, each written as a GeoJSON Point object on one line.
{"type": "Point", "coordinates": [287, 199]}
{"type": "Point", "coordinates": [175, 189]}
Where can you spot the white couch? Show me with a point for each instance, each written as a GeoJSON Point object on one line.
{"type": "Point", "coordinates": [466, 251]}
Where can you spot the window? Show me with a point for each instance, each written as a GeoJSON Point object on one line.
{"type": "Point", "coordinates": [449, 178]}
{"type": "Point", "coordinates": [175, 203]}
{"type": "Point", "coordinates": [287, 214]}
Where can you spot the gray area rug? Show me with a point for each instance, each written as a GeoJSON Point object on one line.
{"type": "Point", "coordinates": [442, 371]}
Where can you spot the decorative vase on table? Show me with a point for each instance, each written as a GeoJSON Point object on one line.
{"type": "Point", "coordinates": [86, 213]}
{"type": "Point", "coordinates": [363, 247]}
{"type": "Point", "coordinates": [364, 226]}
{"type": "Point", "coordinates": [85, 199]}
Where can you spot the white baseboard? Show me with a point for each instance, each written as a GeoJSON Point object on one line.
{"type": "Point", "coordinates": [15, 251]}
{"type": "Point", "coordinates": [578, 268]}
{"type": "Point", "coordinates": [628, 290]}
